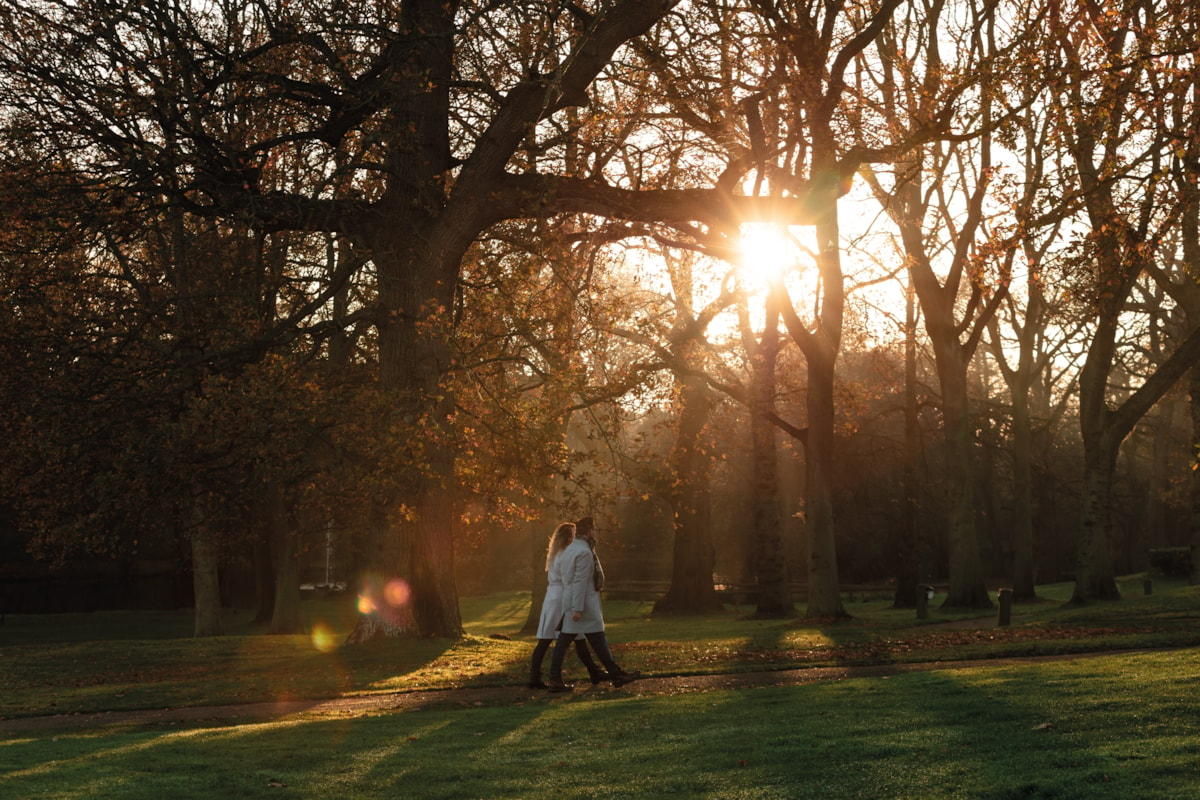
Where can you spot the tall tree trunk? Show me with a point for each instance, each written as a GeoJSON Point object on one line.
{"type": "Point", "coordinates": [1102, 437]}
{"type": "Point", "coordinates": [824, 590]}
{"type": "Point", "coordinates": [770, 557]}
{"type": "Point", "coordinates": [206, 584]}
{"type": "Point", "coordinates": [417, 243]}
{"type": "Point", "coordinates": [431, 544]}
{"type": "Point", "coordinates": [286, 617]}
{"type": "Point", "coordinates": [967, 587]}
{"type": "Point", "coordinates": [1094, 579]}
{"type": "Point", "coordinates": [383, 594]}
{"type": "Point", "coordinates": [416, 286]}
{"type": "Point", "coordinates": [820, 346]}
{"type": "Point", "coordinates": [1022, 533]}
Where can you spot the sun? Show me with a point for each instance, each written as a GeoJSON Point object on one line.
{"type": "Point", "coordinates": [767, 250]}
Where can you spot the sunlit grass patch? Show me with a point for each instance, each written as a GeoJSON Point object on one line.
{"type": "Point", "coordinates": [95, 668]}
{"type": "Point", "coordinates": [470, 661]}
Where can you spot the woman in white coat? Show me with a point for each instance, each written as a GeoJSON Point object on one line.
{"type": "Point", "coordinates": [582, 578]}
{"type": "Point", "coordinates": [552, 612]}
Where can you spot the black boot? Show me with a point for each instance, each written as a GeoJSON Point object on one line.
{"type": "Point", "coordinates": [535, 664]}
{"type": "Point", "coordinates": [557, 685]}
{"type": "Point", "coordinates": [622, 677]}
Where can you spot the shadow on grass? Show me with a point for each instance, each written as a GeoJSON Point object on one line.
{"type": "Point", "coordinates": [1110, 727]}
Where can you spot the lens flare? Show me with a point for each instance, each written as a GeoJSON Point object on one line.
{"type": "Point", "coordinates": [323, 638]}
{"type": "Point", "coordinates": [365, 604]}
{"type": "Point", "coordinates": [397, 593]}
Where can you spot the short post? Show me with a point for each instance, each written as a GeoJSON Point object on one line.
{"type": "Point", "coordinates": [922, 603]}
{"type": "Point", "coordinates": [1147, 586]}
{"type": "Point", "coordinates": [1005, 607]}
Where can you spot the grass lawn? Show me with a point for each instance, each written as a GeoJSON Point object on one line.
{"type": "Point", "coordinates": [1114, 726]}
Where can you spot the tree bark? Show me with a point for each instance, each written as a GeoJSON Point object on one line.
{"type": "Point", "coordinates": [691, 590]}
{"type": "Point", "coordinates": [205, 584]}
{"type": "Point", "coordinates": [417, 278]}
{"type": "Point", "coordinates": [384, 610]}
{"type": "Point", "coordinates": [1023, 584]}
{"type": "Point", "coordinates": [967, 587]}
{"type": "Point", "coordinates": [286, 617]}
{"type": "Point", "coordinates": [820, 347]}
{"type": "Point", "coordinates": [770, 556]}
{"type": "Point", "coordinates": [824, 590]}
{"type": "Point", "coordinates": [1094, 579]}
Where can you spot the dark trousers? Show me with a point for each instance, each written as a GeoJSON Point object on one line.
{"type": "Point", "coordinates": [597, 640]}
{"type": "Point", "coordinates": [581, 649]}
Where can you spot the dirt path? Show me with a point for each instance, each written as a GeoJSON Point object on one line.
{"type": "Point", "coordinates": [206, 716]}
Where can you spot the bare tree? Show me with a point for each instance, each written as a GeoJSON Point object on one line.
{"type": "Point", "coordinates": [1112, 63]}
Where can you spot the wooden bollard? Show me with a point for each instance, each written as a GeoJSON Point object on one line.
{"type": "Point", "coordinates": [1005, 616]}
{"type": "Point", "coordinates": [1147, 587]}
{"type": "Point", "coordinates": [922, 603]}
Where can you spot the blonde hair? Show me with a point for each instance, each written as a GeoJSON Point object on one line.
{"type": "Point", "coordinates": [562, 536]}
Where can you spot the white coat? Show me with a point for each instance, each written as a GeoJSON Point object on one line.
{"type": "Point", "coordinates": [552, 605]}
{"type": "Point", "coordinates": [579, 592]}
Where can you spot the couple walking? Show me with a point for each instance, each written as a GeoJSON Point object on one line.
{"type": "Point", "coordinates": [571, 610]}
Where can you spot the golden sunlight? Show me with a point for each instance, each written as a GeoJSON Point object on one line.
{"type": "Point", "coordinates": [323, 638]}
{"type": "Point", "coordinates": [767, 249]}
{"type": "Point", "coordinates": [397, 593]}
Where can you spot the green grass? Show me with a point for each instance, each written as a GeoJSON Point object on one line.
{"type": "Point", "coordinates": [1106, 727]}
{"type": "Point", "coordinates": [79, 663]}
{"type": "Point", "coordinates": [1111, 726]}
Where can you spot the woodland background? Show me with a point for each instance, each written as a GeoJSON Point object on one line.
{"type": "Point", "coordinates": [782, 293]}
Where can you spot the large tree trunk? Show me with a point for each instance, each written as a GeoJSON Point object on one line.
{"type": "Point", "coordinates": [286, 617]}
{"type": "Point", "coordinates": [1094, 579]}
{"type": "Point", "coordinates": [383, 595]}
{"type": "Point", "coordinates": [417, 244]}
{"type": "Point", "coordinates": [431, 544]}
{"type": "Point", "coordinates": [416, 547]}
{"type": "Point", "coordinates": [205, 584]}
{"type": "Point", "coordinates": [967, 587]}
{"type": "Point", "coordinates": [770, 557]}
{"type": "Point", "coordinates": [820, 347]}
{"type": "Point", "coordinates": [824, 590]}
{"type": "Point", "coordinates": [1102, 437]}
